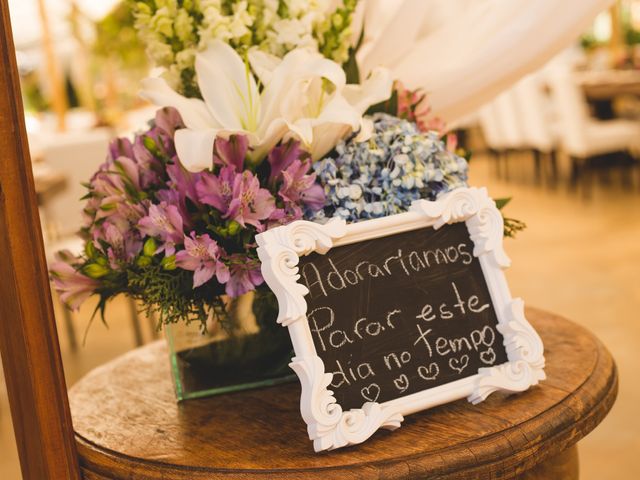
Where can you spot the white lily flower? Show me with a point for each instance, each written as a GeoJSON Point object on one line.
{"type": "Point", "coordinates": [322, 109]}
{"type": "Point", "coordinates": [232, 104]}
{"type": "Point", "coordinates": [304, 96]}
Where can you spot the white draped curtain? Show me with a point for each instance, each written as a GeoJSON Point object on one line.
{"type": "Point", "coordinates": [464, 52]}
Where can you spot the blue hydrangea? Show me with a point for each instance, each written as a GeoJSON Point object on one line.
{"type": "Point", "coordinates": [383, 175]}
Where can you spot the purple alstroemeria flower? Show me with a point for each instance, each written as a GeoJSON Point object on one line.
{"type": "Point", "coordinates": [148, 165]}
{"type": "Point", "coordinates": [282, 156]}
{"type": "Point", "coordinates": [314, 197]}
{"type": "Point", "coordinates": [183, 181]}
{"type": "Point", "coordinates": [202, 255]}
{"type": "Point", "coordinates": [165, 222]}
{"type": "Point", "coordinates": [72, 286]}
{"type": "Point", "coordinates": [124, 244]}
{"type": "Point", "coordinates": [299, 187]}
{"type": "Point", "coordinates": [168, 120]}
{"type": "Point", "coordinates": [119, 177]}
{"type": "Point", "coordinates": [107, 184]}
{"type": "Point", "coordinates": [119, 147]}
{"type": "Point", "coordinates": [217, 191]}
{"type": "Point", "coordinates": [231, 152]}
{"type": "Point", "coordinates": [117, 209]}
{"type": "Point", "coordinates": [283, 216]}
{"type": "Point", "coordinates": [237, 196]}
{"type": "Point", "coordinates": [245, 275]}
{"type": "Point", "coordinates": [182, 186]}
{"type": "Point", "coordinates": [250, 203]}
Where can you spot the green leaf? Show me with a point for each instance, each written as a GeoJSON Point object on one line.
{"type": "Point", "coordinates": [350, 67]}
{"type": "Point", "coordinates": [389, 106]}
{"type": "Point", "coordinates": [502, 202]}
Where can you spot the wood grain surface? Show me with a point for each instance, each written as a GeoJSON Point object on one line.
{"type": "Point", "coordinates": [128, 425]}
{"type": "Point", "coordinates": [28, 337]}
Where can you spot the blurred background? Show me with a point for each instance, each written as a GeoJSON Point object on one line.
{"type": "Point", "coordinates": [564, 142]}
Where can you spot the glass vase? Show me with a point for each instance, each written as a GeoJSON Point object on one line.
{"type": "Point", "coordinates": [243, 347]}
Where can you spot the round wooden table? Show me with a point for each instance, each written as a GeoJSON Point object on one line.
{"type": "Point", "coordinates": [128, 425]}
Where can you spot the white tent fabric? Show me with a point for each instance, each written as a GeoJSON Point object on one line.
{"type": "Point", "coordinates": [465, 52]}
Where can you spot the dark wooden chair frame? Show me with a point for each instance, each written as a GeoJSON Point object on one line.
{"type": "Point", "coordinates": [28, 336]}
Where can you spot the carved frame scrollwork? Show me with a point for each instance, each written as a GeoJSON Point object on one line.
{"type": "Point", "coordinates": [328, 425]}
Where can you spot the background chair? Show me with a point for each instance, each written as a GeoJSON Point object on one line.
{"type": "Point", "coordinates": [535, 115]}
{"type": "Point", "coordinates": [580, 135]}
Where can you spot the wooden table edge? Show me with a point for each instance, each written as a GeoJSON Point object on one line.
{"type": "Point", "coordinates": [563, 436]}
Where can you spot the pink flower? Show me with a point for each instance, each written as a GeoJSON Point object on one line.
{"type": "Point", "coordinates": [413, 105]}
{"type": "Point", "coordinates": [297, 186]}
{"type": "Point", "coordinates": [163, 221]}
{"type": "Point", "coordinates": [181, 191]}
{"type": "Point", "coordinates": [124, 244]}
{"type": "Point", "coordinates": [168, 120]}
{"type": "Point", "coordinates": [237, 196]}
{"type": "Point", "coordinates": [119, 147]}
{"type": "Point", "coordinates": [183, 181]}
{"type": "Point", "coordinates": [217, 191]}
{"type": "Point", "coordinates": [72, 286]}
{"type": "Point", "coordinates": [452, 142]}
{"type": "Point", "coordinates": [148, 165]}
{"type": "Point", "coordinates": [281, 157]}
{"type": "Point", "coordinates": [245, 275]}
{"type": "Point", "coordinates": [202, 256]}
{"type": "Point", "coordinates": [231, 152]}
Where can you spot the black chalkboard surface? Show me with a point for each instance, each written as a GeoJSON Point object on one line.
{"type": "Point", "coordinates": [400, 314]}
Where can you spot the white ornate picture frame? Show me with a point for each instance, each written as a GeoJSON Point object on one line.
{"type": "Point", "coordinates": [329, 426]}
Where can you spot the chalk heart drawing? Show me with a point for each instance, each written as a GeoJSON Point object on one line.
{"type": "Point", "coordinates": [459, 364]}
{"type": "Point", "coordinates": [488, 356]}
{"type": "Point", "coordinates": [430, 372]}
{"type": "Point", "coordinates": [401, 383]}
{"type": "Point", "coordinates": [371, 393]}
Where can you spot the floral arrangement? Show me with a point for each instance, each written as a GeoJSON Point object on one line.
{"type": "Point", "coordinates": [257, 127]}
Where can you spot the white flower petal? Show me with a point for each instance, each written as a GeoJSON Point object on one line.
{"type": "Point", "coordinates": [375, 89]}
{"type": "Point", "coordinates": [338, 110]}
{"type": "Point", "coordinates": [263, 64]}
{"type": "Point", "coordinates": [302, 130]}
{"type": "Point", "coordinates": [227, 86]}
{"type": "Point", "coordinates": [193, 111]}
{"type": "Point", "coordinates": [326, 137]}
{"type": "Point", "coordinates": [288, 78]}
{"type": "Point", "coordinates": [366, 130]}
{"type": "Point", "coordinates": [195, 148]}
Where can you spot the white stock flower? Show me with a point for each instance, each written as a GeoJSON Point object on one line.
{"type": "Point", "coordinates": [304, 96]}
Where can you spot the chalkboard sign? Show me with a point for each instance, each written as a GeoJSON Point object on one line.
{"type": "Point", "coordinates": [393, 316]}
{"type": "Point", "coordinates": [399, 314]}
